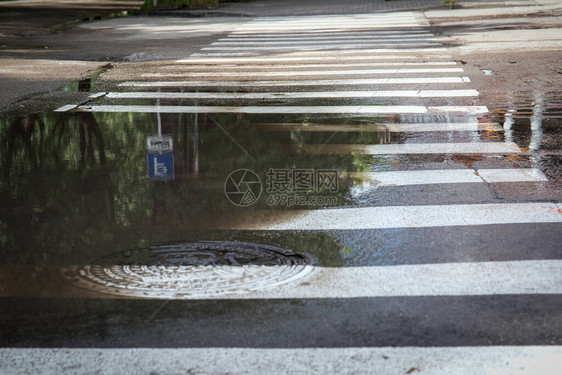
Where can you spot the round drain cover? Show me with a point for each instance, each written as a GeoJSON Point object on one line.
{"type": "Point", "coordinates": [191, 270]}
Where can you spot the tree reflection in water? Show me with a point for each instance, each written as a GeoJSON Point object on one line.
{"type": "Point", "coordinates": [75, 186]}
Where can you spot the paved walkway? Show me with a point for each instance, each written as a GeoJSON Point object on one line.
{"type": "Point", "coordinates": [259, 8]}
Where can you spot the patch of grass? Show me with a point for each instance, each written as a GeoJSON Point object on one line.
{"type": "Point", "coordinates": [451, 3]}
{"type": "Point", "coordinates": [149, 4]}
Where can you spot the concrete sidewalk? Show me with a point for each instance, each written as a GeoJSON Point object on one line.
{"type": "Point", "coordinates": [31, 17]}
{"type": "Point", "coordinates": [263, 8]}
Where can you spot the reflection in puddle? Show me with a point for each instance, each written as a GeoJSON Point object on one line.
{"type": "Point", "coordinates": [86, 84]}
{"type": "Point", "coordinates": [83, 85]}
{"type": "Point", "coordinates": [75, 186]}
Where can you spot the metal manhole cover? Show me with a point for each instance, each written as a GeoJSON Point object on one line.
{"type": "Point", "coordinates": [191, 270]}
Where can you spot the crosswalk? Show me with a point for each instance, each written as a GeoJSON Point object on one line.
{"type": "Point", "coordinates": [393, 67]}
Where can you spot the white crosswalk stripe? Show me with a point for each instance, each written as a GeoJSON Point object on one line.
{"type": "Point", "coordinates": [318, 46]}
{"type": "Point", "coordinates": [306, 38]}
{"type": "Point", "coordinates": [384, 127]}
{"type": "Point", "coordinates": [491, 360]}
{"type": "Point", "coordinates": [324, 52]}
{"type": "Point", "coordinates": [368, 31]}
{"type": "Point", "coordinates": [308, 42]}
{"type": "Point", "coordinates": [423, 216]}
{"type": "Point", "coordinates": [304, 82]}
{"type": "Point", "coordinates": [446, 176]}
{"type": "Point", "coordinates": [308, 47]}
{"type": "Point", "coordinates": [292, 95]}
{"type": "Point", "coordinates": [243, 67]}
{"type": "Point", "coordinates": [301, 58]}
{"type": "Point", "coordinates": [358, 110]}
{"type": "Point", "coordinates": [310, 73]}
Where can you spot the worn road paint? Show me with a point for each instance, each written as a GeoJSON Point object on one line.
{"type": "Point", "coordinates": [241, 46]}
{"type": "Point", "coordinates": [307, 37]}
{"type": "Point", "coordinates": [323, 59]}
{"type": "Point", "coordinates": [384, 127]}
{"type": "Point", "coordinates": [294, 95]}
{"type": "Point", "coordinates": [447, 176]}
{"type": "Point", "coordinates": [281, 67]}
{"type": "Point", "coordinates": [327, 82]}
{"type": "Point", "coordinates": [460, 360]}
{"type": "Point", "coordinates": [415, 148]}
{"type": "Point", "coordinates": [365, 109]}
{"type": "Point", "coordinates": [422, 216]}
{"type": "Point", "coordinates": [238, 75]}
{"type": "Point", "coordinates": [322, 52]}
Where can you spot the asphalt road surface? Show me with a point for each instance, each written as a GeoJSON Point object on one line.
{"type": "Point", "coordinates": [311, 194]}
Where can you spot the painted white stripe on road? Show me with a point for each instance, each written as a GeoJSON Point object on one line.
{"type": "Point", "coordinates": [359, 34]}
{"type": "Point", "coordinates": [446, 279]}
{"type": "Point", "coordinates": [307, 20]}
{"type": "Point", "coordinates": [340, 22]}
{"type": "Point", "coordinates": [294, 26]}
{"type": "Point", "coordinates": [312, 43]}
{"type": "Point", "coordinates": [327, 21]}
{"type": "Point", "coordinates": [255, 109]}
{"type": "Point", "coordinates": [320, 28]}
{"type": "Point", "coordinates": [337, 16]}
{"type": "Point", "coordinates": [364, 32]}
{"type": "Point", "coordinates": [366, 16]}
{"type": "Point", "coordinates": [294, 95]}
{"type": "Point", "coordinates": [359, 110]}
{"type": "Point", "coordinates": [237, 75]}
{"type": "Point", "coordinates": [66, 108]}
{"type": "Point", "coordinates": [323, 59]}
{"type": "Point", "coordinates": [512, 175]}
{"type": "Point", "coordinates": [441, 279]}
{"type": "Point", "coordinates": [244, 67]}
{"type": "Point", "coordinates": [447, 176]}
{"type": "Point", "coordinates": [330, 82]}
{"type": "Point", "coordinates": [421, 216]}
{"type": "Point", "coordinates": [443, 127]}
{"type": "Point", "coordinates": [321, 52]}
{"type": "Point", "coordinates": [97, 95]}
{"type": "Point", "coordinates": [459, 360]}
{"type": "Point", "coordinates": [317, 46]}
{"type": "Point", "coordinates": [414, 148]}
{"type": "Point", "coordinates": [393, 128]}
{"type": "Point", "coordinates": [307, 37]}
{"type": "Point", "coordinates": [458, 108]}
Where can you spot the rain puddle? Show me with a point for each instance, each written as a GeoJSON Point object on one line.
{"type": "Point", "coordinates": [86, 84]}
{"type": "Point", "coordinates": [79, 190]}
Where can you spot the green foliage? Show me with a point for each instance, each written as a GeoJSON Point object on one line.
{"type": "Point", "coordinates": [149, 4]}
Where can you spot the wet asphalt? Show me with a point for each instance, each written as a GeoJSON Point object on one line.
{"type": "Point", "coordinates": [81, 188]}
